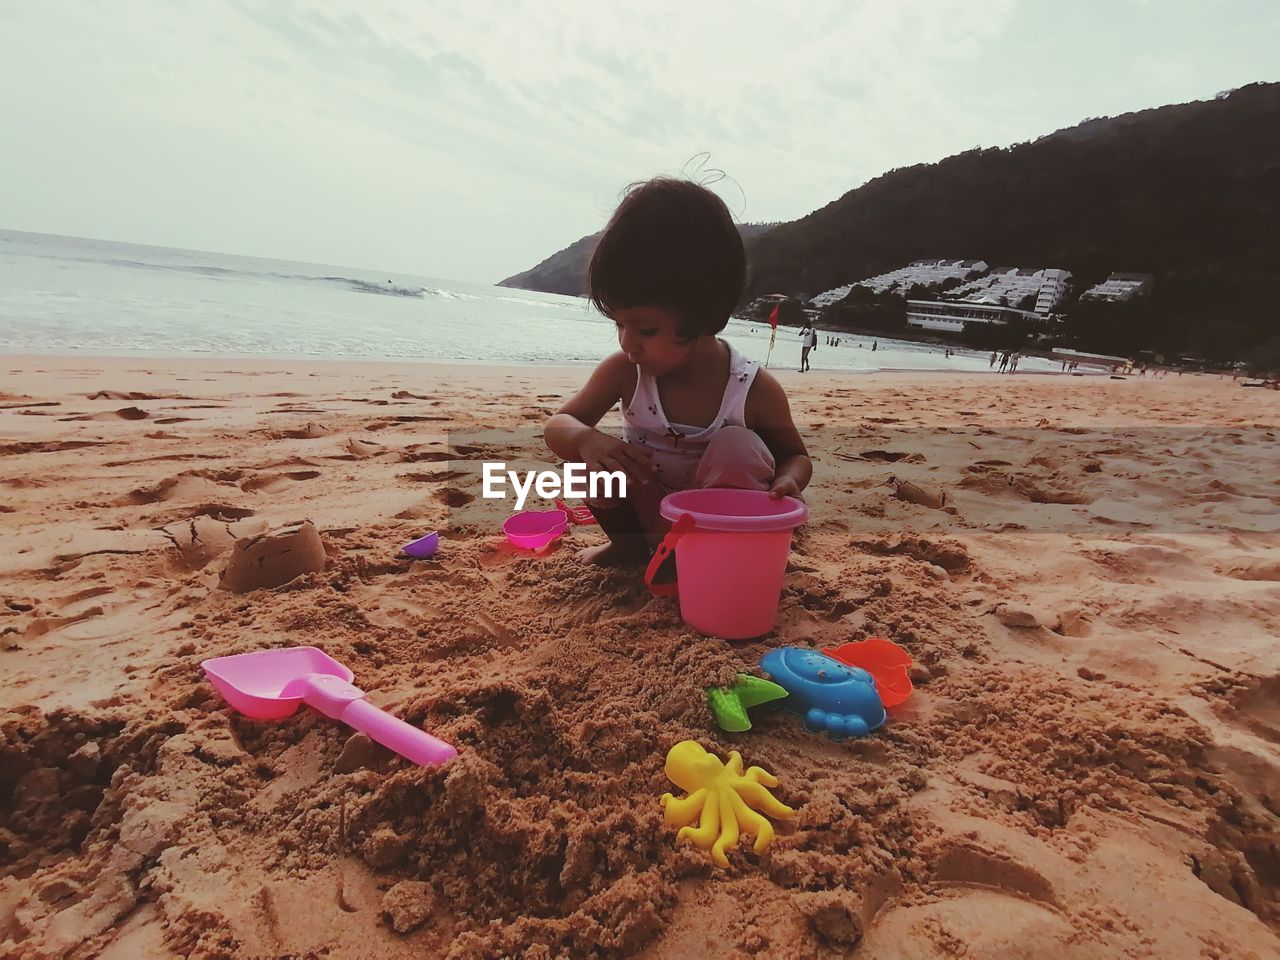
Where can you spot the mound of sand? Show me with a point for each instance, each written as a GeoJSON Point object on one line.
{"type": "Point", "coordinates": [274, 558]}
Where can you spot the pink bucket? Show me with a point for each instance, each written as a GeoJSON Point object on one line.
{"type": "Point", "coordinates": [731, 551]}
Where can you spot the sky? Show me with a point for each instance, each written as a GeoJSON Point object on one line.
{"type": "Point", "coordinates": [469, 140]}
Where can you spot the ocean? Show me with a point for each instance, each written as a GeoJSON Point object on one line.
{"type": "Point", "coordinates": [66, 295]}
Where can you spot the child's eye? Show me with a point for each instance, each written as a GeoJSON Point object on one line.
{"type": "Point", "coordinates": [651, 331]}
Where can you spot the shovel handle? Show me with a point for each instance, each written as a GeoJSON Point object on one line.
{"type": "Point", "coordinates": [405, 739]}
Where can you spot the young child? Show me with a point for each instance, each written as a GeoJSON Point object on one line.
{"type": "Point", "coordinates": [668, 270]}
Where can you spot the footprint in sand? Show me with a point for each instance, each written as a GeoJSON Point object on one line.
{"type": "Point", "coordinates": [217, 512]}
{"type": "Point", "coordinates": [47, 446]}
{"type": "Point", "coordinates": [453, 497]}
{"type": "Point", "coordinates": [1251, 568]}
{"type": "Point", "coordinates": [124, 413]}
{"type": "Point", "coordinates": [312, 431]}
{"type": "Point", "coordinates": [1143, 563]}
{"type": "Point", "coordinates": [129, 395]}
{"type": "Point", "coordinates": [434, 476]}
{"type": "Point", "coordinates": [31, 403]}
{"type": "Point", "coordinates": [40, 625]}
{"type": "Point", "coordinates": [415, 454]}
{"type": "Point", "coordinates": [1256, 707]}
{"type": "Point", "coordinates": [359, 450]}
{"type": "Point", "coordinates": [271, 482]}
{"type": "Point", "coordinates": [962, 864]}
{"type": "Point", "coordinates": [195, 485]}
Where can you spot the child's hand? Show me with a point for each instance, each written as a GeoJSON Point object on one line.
{"type": "Point", "coordinates": [785, 487]}
{"type": "Point", "coordinates": [600, 451]}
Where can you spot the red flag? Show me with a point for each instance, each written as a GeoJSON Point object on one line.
{"type": "Point", "coordinates": [773, 318]}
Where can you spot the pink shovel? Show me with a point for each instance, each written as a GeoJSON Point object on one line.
{"type": "Point", "coordinates": [270, 684]}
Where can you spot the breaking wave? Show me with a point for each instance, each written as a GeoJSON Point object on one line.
{"type": "Point", "coordinates": [387, 289]}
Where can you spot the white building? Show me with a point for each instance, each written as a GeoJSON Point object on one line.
{"type": "Point", "coordinates": [1120, 286]}
{"type": "Point", "coordinates": [951, 315]}
{"type": "Point", "coordinates": [924, 273]}
{"type": "Point", "coordinates": [1010, 286]}
{"type": "Point", "coordinates": [1053, 289]}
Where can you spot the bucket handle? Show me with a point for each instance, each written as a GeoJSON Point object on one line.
{"type": "Point", "coordinates": [665, 549]}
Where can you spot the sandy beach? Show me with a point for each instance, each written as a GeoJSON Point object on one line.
{"type": "Point", "coordinates": [1086, 572]}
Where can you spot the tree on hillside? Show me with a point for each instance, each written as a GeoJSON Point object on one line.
{"type": "Point", "coordinates": [1189, 193]}
{"type": "Point", "coordinates": [998, 336]}
{"type": "Point", "coordinates": [864, 309]}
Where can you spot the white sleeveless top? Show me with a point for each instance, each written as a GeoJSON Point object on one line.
{"type": "Point", "coordinates": [678, 447]}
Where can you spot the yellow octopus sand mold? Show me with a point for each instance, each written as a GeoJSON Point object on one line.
{"type": "Point", "coordinates": [721, 799]}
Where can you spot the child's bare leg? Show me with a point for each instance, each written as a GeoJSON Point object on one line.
{"type": "Point", "coordinates": [627, 545]}
{"type": "Point", "coordinates": [633, 524]}
{"type": "Point", "coordinates": [646, 499]}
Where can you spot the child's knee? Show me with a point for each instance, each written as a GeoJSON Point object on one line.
{"type": "Point", "coordinates": [735, 457]}
{"type": "Point", "coordinates": [733, 442]}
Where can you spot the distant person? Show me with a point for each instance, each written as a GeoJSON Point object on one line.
{"type": "Point", "coordinates": [668, 271]}
{"type": "Point", "coordinates": [1004, 361]}
{"type": "Point", "coordinates": [808, 341]}
{"type": "Point", "coordinates": [995, 355]}
{"type": "Point", "coordinates": [874, 345]}
{"type": "Point", "coordinates": [1013, 363]}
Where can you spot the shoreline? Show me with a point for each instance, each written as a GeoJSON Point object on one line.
{"type": "Point", "coordinates": [479, 365]}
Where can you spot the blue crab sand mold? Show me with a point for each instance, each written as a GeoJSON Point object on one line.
{"type": "Point", "coordinates": [832, 698]}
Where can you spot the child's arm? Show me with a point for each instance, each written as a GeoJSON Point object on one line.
{"type": "Point", "coordinates": [571, 432]}
{"type": "Point", "coordinates": [769, 415]}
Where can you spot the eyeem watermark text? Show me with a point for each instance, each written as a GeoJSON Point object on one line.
{"type": "Point", "coordinates": [574, 480]}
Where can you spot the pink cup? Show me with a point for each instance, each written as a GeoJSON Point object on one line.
{"type": "Point", "coordinates": [534, 529]}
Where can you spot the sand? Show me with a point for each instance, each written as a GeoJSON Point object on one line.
{"type": "Point", "coordinates": [1086, 572]}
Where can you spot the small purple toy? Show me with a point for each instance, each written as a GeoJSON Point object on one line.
{"type": "Point", "coordinates": [832, 698]}
{"type": "Point", "coordinates": [423, 547]}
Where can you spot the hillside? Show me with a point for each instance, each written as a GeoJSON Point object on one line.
{"type": "Point", "coordinates": [1189, 193]}
{"type": "Point", "coordinates": [566, 272]}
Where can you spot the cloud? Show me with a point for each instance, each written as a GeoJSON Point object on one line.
{"type": "Point", "coordinates": [469, 140]}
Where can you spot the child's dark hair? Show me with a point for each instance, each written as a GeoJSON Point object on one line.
{"type": "Point", "coordinates": [672, 244]}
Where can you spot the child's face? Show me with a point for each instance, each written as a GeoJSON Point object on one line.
{"type": "Point", "coordinates": [650, 338]}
